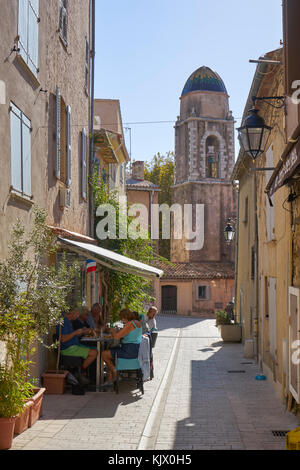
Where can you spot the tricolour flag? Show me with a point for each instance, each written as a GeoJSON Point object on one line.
{"type": "Point", "coordinates": [91, 265]}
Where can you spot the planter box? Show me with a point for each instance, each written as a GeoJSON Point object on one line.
{"type": "Point", "coordinates": [22, 421]}
{"type": "Point", "coordinates": [36, 408]}
{"type": "Point", "coordinates": [231, 333]}
{"type": "Point", "coordinates": [7, 426]}
{"type": "Point", "coordinates": [55, 381]}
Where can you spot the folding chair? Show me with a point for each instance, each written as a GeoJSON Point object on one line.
{"type": "Point", "coordinates": [132, 368]}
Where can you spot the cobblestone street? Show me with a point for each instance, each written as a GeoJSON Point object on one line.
{"type": "Point", "coordinates": [194, 402]}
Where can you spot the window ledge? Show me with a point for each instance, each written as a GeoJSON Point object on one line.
{"type": "Point", "coordinates": [21, 197]}
{"type": "Point", "coordinates": [24, 67]}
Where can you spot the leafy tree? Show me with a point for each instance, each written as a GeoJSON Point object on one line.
{"type": "Point", "coordinates": [124, 289]}
{"type": "Point", "coordinates": [160, 171]}
{"type": "Point", "coordinates": [33, 292]}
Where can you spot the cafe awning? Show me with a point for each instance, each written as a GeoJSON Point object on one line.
{"type": "Point", "coordinates": [111, 260]}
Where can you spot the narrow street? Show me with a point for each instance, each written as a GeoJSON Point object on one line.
{"type": "Point", "coordinates": [204, 396]}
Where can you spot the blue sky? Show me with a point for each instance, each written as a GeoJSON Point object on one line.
{"type": "Point", "coordinates": [146, 50]}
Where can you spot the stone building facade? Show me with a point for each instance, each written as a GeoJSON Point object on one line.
{"type": "Point", "coordinates": [45, 115]}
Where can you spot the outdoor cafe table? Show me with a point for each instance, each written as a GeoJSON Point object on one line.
{"type": "Point", "coordinates": [101, 342]}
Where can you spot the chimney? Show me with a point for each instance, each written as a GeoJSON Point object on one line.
{"type": "Point", "coordinates": [138, 170]}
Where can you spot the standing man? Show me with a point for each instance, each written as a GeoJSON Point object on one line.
{"type": "Point", "coordinates": [151, 322]}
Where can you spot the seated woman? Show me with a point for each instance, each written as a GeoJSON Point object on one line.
{"type": "Point", "coordinates": [131, 336]}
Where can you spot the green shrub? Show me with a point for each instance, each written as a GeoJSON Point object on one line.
{"type": "Point", "coordinates": [222, 318]}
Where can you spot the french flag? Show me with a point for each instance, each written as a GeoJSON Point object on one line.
{"type": "Point", "coordinates": [91, 265]}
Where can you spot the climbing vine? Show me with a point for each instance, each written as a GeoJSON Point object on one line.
{"type": "Point", "coordinates": [124, 289]}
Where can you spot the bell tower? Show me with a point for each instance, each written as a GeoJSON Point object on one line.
{"type": "Point", "coordinates": [204, 159]}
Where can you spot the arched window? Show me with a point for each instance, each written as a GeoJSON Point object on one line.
{"type": "Point", "coordinates": [212, 157]}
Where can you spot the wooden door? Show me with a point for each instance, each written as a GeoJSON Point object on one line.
{"type": "Point", "coordinates": [168, 299]}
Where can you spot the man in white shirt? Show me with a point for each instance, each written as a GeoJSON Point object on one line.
{"type": "Point", "coordinates": [151, 322]}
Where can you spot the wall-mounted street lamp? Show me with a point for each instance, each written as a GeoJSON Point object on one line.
{"type": "Point", "coordinates": [254, 133]}
{"type": "Point", "coordinates": [229, 231]}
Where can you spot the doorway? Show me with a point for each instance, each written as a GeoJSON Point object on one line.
{"type": "Point", "coordinates": [169, 300]}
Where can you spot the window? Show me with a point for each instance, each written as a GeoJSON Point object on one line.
{"type": "Point", "coordinates": [202, 292]}
{"type": "Point", "coordinates": [63, 140]}
{"type": "Point", "coordinates": [87, 65]}
{"type": "Point", "coordinates": [20, 138]}
{"type": "Point", "coordinates": [245, 220]}
{"type": "Point", "coordinates": [212, 157]}
{"type": "Point", "coordinates": [63, 21]}
{"type": "Point", "coordinates": [28, 31]}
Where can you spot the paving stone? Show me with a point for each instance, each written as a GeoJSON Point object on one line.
{"type": "Point", "coordinates": [206, 408]}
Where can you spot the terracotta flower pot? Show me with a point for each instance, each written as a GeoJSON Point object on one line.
{"type": "Point", "coordinates": [22, 421]}
{"type": "Point", "coordinates": [36, 408]}
{"type": "Point", "coordinates": [7, 426]}
{"type": "Point", "coordinates": [55, 381]}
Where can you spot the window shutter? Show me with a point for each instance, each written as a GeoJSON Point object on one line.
{"type": "Point", "coordinates": [63, 20]}
{"type": "Point", "coordinates": [23, 28]}
{"type": "Point", "coordinates": [16, 148]}
{"type": "Point", "coordinates": [33, 36]}
{"type": "Point", "coordinates": [57, 168]}
{"type": "Point", "coordinates": [87, 62]}
{"type": "Point", "coordinates": [83, 163]}
{"type": "Point", "coordinates": [69, 147]}
{"type": "Point", "coordinates": [20, 128]}
{"type": "Point", "coordinates": [26, 156]}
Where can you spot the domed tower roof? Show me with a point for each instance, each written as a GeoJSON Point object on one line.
{"type": "Point", "coordinates": [204, 79]}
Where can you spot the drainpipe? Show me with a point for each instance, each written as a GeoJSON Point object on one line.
{"type": "Point", "coordinates": [91, 149]}
{"type": "Point", "coordinates": [151, 194]}
{"type": "Point", "coordinates": [91, 153]}
{"type": "Point", "coordinates": [255, 319]}
{"type": "Point", "coordinates": [236, 252]}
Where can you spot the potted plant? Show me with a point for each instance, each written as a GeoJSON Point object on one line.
{"type": "Point", "coordinates": [55, 380]}
{"type": "Point", "coordinates": [229, 330]}
{"type": "Point", "coordinates": [33, 294]}
{"type": "Point", "coordinates": [14, 393]}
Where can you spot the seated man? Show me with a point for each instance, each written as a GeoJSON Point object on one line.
{"type": "Point", "coordinates": [95, 319]}
{"type": "Point", "coordinates": [82, 320]}
{"type": "Point", "coordinates": [70, 345]}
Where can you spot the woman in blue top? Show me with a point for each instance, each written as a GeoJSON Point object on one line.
{"type": "Point", "coordinates": [131, 336]}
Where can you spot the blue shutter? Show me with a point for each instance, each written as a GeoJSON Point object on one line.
{"type": "Point", "coordinates": [57, 163]}
{"type": "Point", "coordinates": [16, 148]}
{"type": "Point", "coordinates": [69, 147]}
{"type": "Point", "coordinates": [26, 156]}
{"type": "Point", "coordinates": [33, 36]}
{"type": "Point", "coordinates": [23, 28]}
{"type": "Point", "coordinates": [83, 163]}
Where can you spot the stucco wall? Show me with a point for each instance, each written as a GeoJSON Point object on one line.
{"type": "Point", "coordinates": [220, 292]}
{"type": "Point", "coordinates": [58, 66]}
{"type": "Point", "coordinates": [219, 204]}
